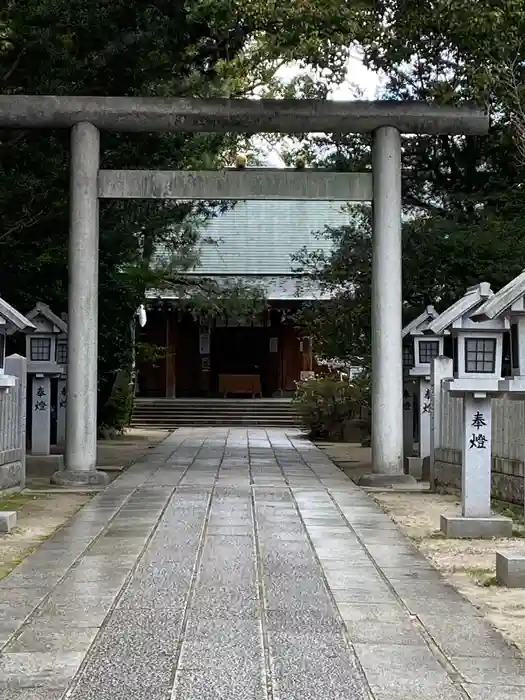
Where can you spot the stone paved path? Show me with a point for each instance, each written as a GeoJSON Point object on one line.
{"type": "Point", "coordinates": [241, 565]}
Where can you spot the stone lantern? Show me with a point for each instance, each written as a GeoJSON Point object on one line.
{"type": "Point", "coordinates": [509, 305]}
{"type": "Point", "coordinates": [421, 349]}
{"type": "Point", "coordinates": [11, 321]}
{"type": "Point", "coordinates": [47, 360]}
{"type": "Point", "coordinates": [476, 379]}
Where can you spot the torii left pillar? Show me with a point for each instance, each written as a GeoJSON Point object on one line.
{"type": "Point", "coordinates": [81, 417]}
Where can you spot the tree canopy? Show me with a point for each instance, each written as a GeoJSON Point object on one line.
{"type": "Point", "coordinates": [463, 196]}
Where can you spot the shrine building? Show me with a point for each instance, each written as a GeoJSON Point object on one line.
{"type": "Point", "coordinates": [252, 243]}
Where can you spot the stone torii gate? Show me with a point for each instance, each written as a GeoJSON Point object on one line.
{"type": "Point", "coordinates": [86, 116]}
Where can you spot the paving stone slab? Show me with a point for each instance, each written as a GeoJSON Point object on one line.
{"type": "Point", "coordinates": [35, 669]}
{"type": "Point", "coordinates": [483, 692]}
{"type": "Point", "coordinates": [24, 599]}
{"type": "Point", "coordinates": [44, 638]}
{"type": "Point", "coordinates": [8, 629]}
{"type": "Point", "coordinates": [301, 562]}
{"type": "Point", "coordinates": [158, 586]}
{"type": "Point", "coordinates": [393, 559]}
{"type": "Point", "coordinates": [231, 530]}
{"type": "Point", "coordinates": [417, 574]}
{"type": "Point", "coordinates": [447, 606]}
{"type": "Point", "coordinates": [315, 665]}
{"type": "Point", "coordinates": [418, 691]}
{"type": "Point", "coordinates": [347, 580]}
{"type": "Point", "coordinates": [357, 559]}
{"type": "Point", "coordinates": [132, 658]}
{"type": "Point", "coordinates": [220, 601]}
{"type": "Point", "coordinates": [406, 670]}
{"type": "Point", "coordinates": [299, 622]}
{"type": "Point", "coordinates": [491, 671]}
{"type": "Point", "coordinates": [431, 590]}
{"type": "Point", "coordinates": [310, 595]}
{"type": "Point", "coordinates": [363, 595]}
{"type": "Point", "coordinates": [114, 578]}
{"type": "Point", "coordinates": [42, 580]}
{"type": "Point", "coordinates": [103, 562]}
{"type": "Point", "coordinates": [381, 632]}
{"type": "Point", "coordinates": [85, 612]}
{"type": "Point", "coordinates": [372, 612]}
{"type": "Point", "coordinates": [36, 694]}
{"type": "Point", "coordinates": [468, 636]}
{"type": "Point", "coordinates": [203, 685]}
{"type": "Point", "coordinates": [224, 646]}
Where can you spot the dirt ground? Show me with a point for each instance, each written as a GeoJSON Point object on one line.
{"type": "Point", "coordinates": [42, 509]}
{"type": "Point", "coordinates": [469, 565]}
{"type": "Point", "coordinates": [37, 519]}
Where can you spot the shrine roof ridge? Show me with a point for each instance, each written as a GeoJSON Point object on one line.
{"type": "Point", "coordinates": [473, 297]}
{"type": "Point", "coordinates": [502, 300]}
{"type": "Point", "coordinates": [244, 116]}
{"type": "Point", "coordinates": [42, 309]}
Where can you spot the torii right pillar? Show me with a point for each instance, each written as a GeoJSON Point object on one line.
{"type": "Point", "coordinates": [387, 299]}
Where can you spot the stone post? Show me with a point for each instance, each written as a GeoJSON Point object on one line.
{"type": "Point", "coordinates": [387, 353]}
{"type": "Point", "coordinates": [16, 366]}
{"type": "Point", "coordinates": [476, 470]}
{"type": "Point", "coordinates": [81, 417]}
{"type": "Point", "coordinates": [476, 519]}
{"type": "Point", "coordinates": [441, 368]}
{"type": "Point", "coordinates": [408, 419]}
{"type": "Point", "coordinates": [41, 415]}
{"type": "Point", "coordinates": [61, 411]}
{"type": "Point", "coordinates": [425, 412]}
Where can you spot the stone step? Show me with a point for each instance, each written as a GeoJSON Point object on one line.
{"type": "Point", "coordinates": [173, 413]}
{"type": "Point", "coordinates": [206, 420]}
{"type": "Point", "coordinates": [283, 414]}
{"type": "Point", "coordinates": [211, 407]}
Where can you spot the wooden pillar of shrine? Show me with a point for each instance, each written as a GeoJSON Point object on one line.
{"type": "Point", "coordinates": [171, 353]}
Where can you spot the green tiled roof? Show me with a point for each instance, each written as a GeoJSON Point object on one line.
{"type": "Point", "coordinates": [260, 237]}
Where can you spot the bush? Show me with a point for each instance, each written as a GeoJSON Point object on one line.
{"type": "Point", "coordinates": [116, 414]}
{"type": "Point", "coordinates": [326, 403]}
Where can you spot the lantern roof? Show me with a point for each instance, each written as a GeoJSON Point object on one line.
{"type": "Point", "coordinates": [43, 311]}
{"type": "Point", "coordinates": [470, 301]}
{"type": "Point", "coordinates": [14, 319]}
{"type": "Point", "coordinates": [509, 298]}
{"type": "Point", "coordinates": [420, 324]}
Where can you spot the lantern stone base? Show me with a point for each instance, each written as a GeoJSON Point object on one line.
{"type": "Point", "coordinates": [476, 528]}
{"type": "Point", "coordinates": [12, 475]}
{"type": "Point", "coordinates": [7, 520]}
{"type": "Point", "coordinates": [386, 480]}
{"type": "Point", "coordinates": [510, 569]}
{"type": "Point", "coordinates": [91, 477]}
{"type": "Point", "coordinates": [414, 467]}
{"type": "Point", "coordinates": [44, 465]}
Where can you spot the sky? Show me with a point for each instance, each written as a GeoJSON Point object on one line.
{"type": "Point", "coordinates": [359, 79]}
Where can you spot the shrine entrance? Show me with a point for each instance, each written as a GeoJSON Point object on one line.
{"type": "Point", "coordinates": [86, 116]}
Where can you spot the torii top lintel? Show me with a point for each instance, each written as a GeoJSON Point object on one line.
{"type": "Point", "coordinates": [237, 116]}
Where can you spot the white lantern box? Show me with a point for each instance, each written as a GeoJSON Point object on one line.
{"type": "Point", "coordinates": [46, 348]}
{"type": "Point", "coordinates": [11, 321]}
{"type": "Point", "coordinates": [479, 344]}
{"type": "Point", "coordinates": [419, 349]}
